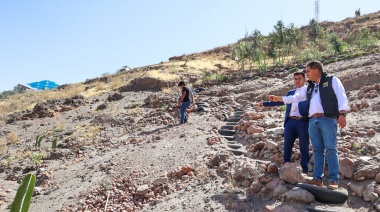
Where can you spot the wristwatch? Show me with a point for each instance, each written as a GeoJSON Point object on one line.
{"type": "Point", "coordinates": [343, 114]}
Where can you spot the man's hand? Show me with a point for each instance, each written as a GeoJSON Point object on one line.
{"type": "Point", "coordinates": [261, 104]}
{"type": "Point", "coordinates": [179, 105]}
{"type": "Point", "coordinates": [341, 121]}
{"type": "Point", "coordinates": [272, 98]}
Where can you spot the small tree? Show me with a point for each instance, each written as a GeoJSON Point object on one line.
{"type": "Point", "coordinates": [258, 47]}
{"type": "Point", "coordinates": [315, 30]}
{"type": "Point", "coordinates": [280, 38]}
{"type": "Point", "coordinates": [242, 51]}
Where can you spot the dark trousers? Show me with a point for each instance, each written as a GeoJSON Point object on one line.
{"type": "Point", "coordinates": [297, 129]}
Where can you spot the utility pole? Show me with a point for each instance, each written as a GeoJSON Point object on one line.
{"type": "Point", "coordinates": [316, 10]}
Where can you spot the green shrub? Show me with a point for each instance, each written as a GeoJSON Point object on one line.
{"type": "Point", "coordinates": [263, 67]}
{"type": "Point", "coordinates": [221, 78]}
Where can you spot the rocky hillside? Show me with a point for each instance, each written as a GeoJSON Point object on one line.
{"type": "Point", "coordinates": [123, 150]}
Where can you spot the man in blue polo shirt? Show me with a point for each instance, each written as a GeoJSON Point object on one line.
{"type": "Point", "coordinates": [295, 123]}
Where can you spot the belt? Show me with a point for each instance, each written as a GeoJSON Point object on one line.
{"type": "Point", "coordinates": [295, 117]}
{"type": "Point", "coordinates": [317, 115]}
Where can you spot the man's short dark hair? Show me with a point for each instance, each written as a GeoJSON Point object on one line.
{"type": "Point", "coordinates": [299, 73]}
{"type": "Point", "coordinates": [315, 64]}
{"type": "Point", "coordinates": [181, 83]}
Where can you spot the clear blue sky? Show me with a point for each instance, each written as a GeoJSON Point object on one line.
{"type": "Point", "coordinates": [69, 41]}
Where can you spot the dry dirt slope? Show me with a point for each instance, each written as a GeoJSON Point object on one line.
{"type": "Point", "coordinates": [127, 144]}
{"type": "Point", "coordinates": [145, 163]}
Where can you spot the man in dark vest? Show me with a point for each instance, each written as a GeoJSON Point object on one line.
{"type": "Point", "coordinates": [295, 123]}
{"type": "Point", "coordinates": [327, 107]}
{"type": "Point", "coordinates": [185, 100]}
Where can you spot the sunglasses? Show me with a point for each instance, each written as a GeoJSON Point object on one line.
{"type": "Point", "coordinates": [316, 89]}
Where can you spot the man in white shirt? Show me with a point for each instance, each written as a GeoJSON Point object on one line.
{"type": "Point", "coordinates": [327, 108]}
{"type": "Point", "coordinates": [295, 123]}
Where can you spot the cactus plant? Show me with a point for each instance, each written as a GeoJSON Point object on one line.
{"type": "Point", "coordinates": [24, 194]}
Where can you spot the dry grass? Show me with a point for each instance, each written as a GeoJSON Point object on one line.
{"type": "Point", "coordinates": [13, 138]}
{"type": "Point", "coordinates": [162, 75]}
{"type": "Point", "coordinates": [87, 132]}
{"type": "Point", "coordinates": [166, 90]}
{"type": "Point", "coordinates": [24, 101]}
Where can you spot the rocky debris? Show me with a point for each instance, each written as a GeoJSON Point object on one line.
{"type": "Point", "coordinates": [260, 173]}
{"type": "Point", "coordinates": [104, 79]}
{"type": "Point", "coordinates": [213, 140]}
{"type": "Point", "coordinates": [299, 195]}
{"type": "Point", "coordinates": [107, 119]}
{"type": "Point", "coordinates": [124, 194]}
{"type": "Point", "coordinates": [146, 83]}
{"type": "Point", "coordinates": [366, 172]}
{"type": "Point", "coordinates": [47, 109]}
{"type": "Point", "coordinates": [114, 97]}
{"type": "Point", "coordinates": [291, 173]}
{"type": "Point", "coordinates": [101, 107]}
{"type": "Point", "coordinates": [245, 169]}
{"type": "Point", "coordinates": [347, 167]}
{"type": "Point", "coordinates": [156, 101]}
{"type": "Point", "coordinates": [369, 193]}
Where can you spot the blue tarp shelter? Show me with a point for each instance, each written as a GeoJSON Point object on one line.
{"type": "Point", "coordinates": [44, 84]}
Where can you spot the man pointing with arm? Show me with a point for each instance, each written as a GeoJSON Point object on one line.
{"type": "Point", "coordinates": [327, 107]}
{"type": "Point", "coordinates": [295, 123]}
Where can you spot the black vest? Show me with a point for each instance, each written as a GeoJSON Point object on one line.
{"type": "Point", "coordinates": [328, 97]}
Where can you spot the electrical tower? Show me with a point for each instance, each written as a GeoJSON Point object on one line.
{"type": "Point", "coordinates": [316, 10]}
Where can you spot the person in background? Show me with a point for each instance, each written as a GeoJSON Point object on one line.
{"type": "Point", "coordinates": [185, 100]}
{"type": "Point", "coordinates": [295, 123]}
{"type": "Point", "coordinates": [327, 105]}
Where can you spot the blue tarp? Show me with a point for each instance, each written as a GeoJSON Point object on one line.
{"type": "Point", "coordinates": [44, 84]}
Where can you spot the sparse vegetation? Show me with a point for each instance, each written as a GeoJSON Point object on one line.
{"type": "Point", "coordinates": [283, 47]}
{"type": "Point", "coordinates": [286, 45]}
{"type": "Point", "coordinates": [208, 76]}
{"type": "Point", "coordinates": [13, 138]}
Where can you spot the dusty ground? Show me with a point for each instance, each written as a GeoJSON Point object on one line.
{"type": "Point", "coordinates": [138, 154]}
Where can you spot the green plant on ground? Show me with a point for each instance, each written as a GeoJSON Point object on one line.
{"type": "Point", "coordinates": [221, 78]}
{"type": "Point", "coordinates": [356, 146]}
{"type": "Point", "coordinates": [208, 76]}
{"type": "Point", "coordinates": [36, 158]}
{"type": "Point", "coordinates": [337, 43]}
{"type": "Point", "coordinates": [282, 107]}
{"type": "Point", "coordinates": [24, 194]}
{"type": "Point", "coordinates": [294, 69]}
{"type": "Point", "coordinates": [263, 67]}
{"type": "Point", "coordinates": [38, 140]}
{"type": "Point", "coordinates": [165, 106]}
{"type": "Point", "coordinates": [54, 143]}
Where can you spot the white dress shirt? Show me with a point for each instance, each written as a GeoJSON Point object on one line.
{"type": "Point", "coordinates": [315, 101]}
{"type": "Point", "coordinates": [294, 108]}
